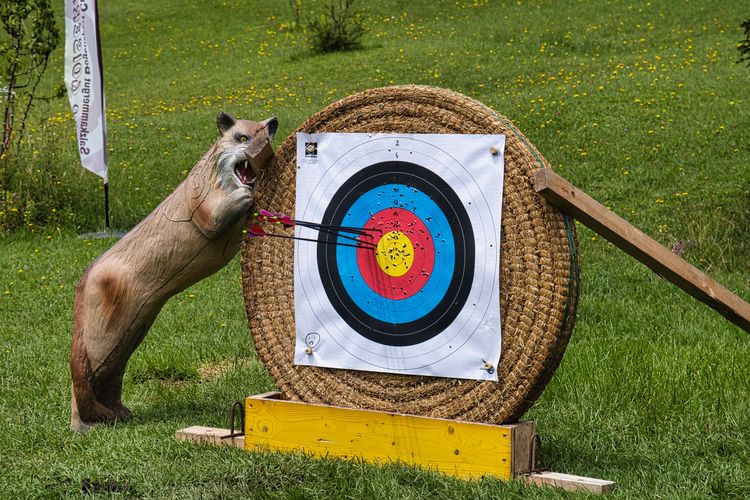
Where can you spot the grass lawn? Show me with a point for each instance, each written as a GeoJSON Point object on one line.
{"type": "Point", "coordinates": [640, 104]}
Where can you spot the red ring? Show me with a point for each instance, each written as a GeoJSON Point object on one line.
{"type": "Point", "coordinates": [410, 283]}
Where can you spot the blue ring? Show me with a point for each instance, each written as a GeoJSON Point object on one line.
{"type": "Point", "coordinates": [424, 301]}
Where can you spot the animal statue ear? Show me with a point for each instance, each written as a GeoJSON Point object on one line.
{"type": "Point", "coordinates": [272, 124]}
{"type": "Point", "coordinates": [224, 121]}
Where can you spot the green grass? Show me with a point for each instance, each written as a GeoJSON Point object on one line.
{"type": "Point", "coordinates": [639, 104]}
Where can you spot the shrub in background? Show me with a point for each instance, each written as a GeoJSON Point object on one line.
{"type": "Point", "coordinates": [29, 37]}
{"type": "Point", "coordinates": [744, 45]}
{"type": "Point", "coordinates": [297, 6]}
{"type": "Point", "coordinates": [45, 188]}
{"type": "Point", "coordinates": [340, 28]}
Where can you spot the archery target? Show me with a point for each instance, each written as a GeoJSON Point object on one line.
{"type": "Point", "coordinates": [402, 275]}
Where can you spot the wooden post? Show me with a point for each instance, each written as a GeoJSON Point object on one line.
{"type": "Point", "coordinates": [643, 248]}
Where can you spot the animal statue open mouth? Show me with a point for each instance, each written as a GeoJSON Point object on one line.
{"type": "Point", "coordinates": [245, 173]}
{"type": "Point", "coordinates": [255, 149]}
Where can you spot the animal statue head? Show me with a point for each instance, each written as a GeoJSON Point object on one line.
{"type": "Point", "coordinates": [243, 149]}
{"type": "Point", "coordinates": [231, 166]}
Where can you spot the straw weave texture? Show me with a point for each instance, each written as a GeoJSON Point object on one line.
{"type": "Point", "coordinates": [539, 270]}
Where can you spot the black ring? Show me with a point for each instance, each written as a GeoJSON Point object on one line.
{"type": "Point", "coordinates": [442, 315]}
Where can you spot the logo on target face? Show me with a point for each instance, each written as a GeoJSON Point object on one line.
{"type": "Point", "coordinates": [416, 279]}
{"type": "Point", "coordinates": [311, 150]}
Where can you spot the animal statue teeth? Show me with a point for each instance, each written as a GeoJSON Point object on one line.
{"type": "Point", "coordinates": [244, 173]}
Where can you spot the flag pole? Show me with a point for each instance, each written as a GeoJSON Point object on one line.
{"type": "Point", "coordinates": [104, 115]}
{"type": "Point", "coordinates": [106, 207]}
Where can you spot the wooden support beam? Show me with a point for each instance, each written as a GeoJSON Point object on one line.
{"type": "Point", "coordinates": [643, 248]}
{"type": "Point", "coordinates": [461, 449]}
{"type": "Point", "coordinates": [569, 482]}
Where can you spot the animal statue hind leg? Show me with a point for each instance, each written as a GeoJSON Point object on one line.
{"type": "Point", "coordinates": [192, 234]}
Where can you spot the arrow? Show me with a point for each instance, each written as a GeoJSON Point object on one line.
{"type": "Point", "coordinates": [257, 231]}
{"type": "Point", "coordinates": [286, 221]}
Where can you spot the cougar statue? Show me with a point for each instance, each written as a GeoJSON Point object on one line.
{"type": "Point", "coordinates": [192, 234]}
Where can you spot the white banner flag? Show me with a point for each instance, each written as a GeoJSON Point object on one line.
{"type": "Point", "coordinates": [84, 79]}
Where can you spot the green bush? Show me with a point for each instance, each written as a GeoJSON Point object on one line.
{"type": "Point", "coordinates": [339, 29]}
{"type": "Point", "coordinates": [29, 36]}
{"type": "Point", "coordinates": [42, 188]}
{"type": "Point", "coordinates": [744, 45]}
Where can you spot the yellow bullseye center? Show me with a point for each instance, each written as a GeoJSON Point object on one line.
{"type": "Point", "coordinates": [395, 253]}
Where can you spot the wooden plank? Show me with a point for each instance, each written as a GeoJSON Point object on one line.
{"type": "Point", "coordinates": [569, 482]}
{"type": "Point", "coordinates": [648, 251]}
{"type": "Point", "coordinates": [269, 395]}
{"type": "Point", "coordinates": [209, 435]}
{"type": "Point", "coordinates": [522, 447]}
{"type": "Point", "coordinates": [260, 157]}
{"type": "Point", "coordinates": [461, 449]}
{"type": "Point", "coordinates": [520, 460]}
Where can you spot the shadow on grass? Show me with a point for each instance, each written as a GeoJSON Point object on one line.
{"type": "Point", "coordinates": [571, 457]}
{"type": "Point", "coordinates": [91, 486]}
{"type": "Point", "coordinates": [200, 410]}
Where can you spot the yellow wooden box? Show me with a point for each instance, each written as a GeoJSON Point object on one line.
{"type": "Point", "coordinates": [461, 449]}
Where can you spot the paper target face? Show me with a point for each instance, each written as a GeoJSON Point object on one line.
{"type": "Point", "coordinates": [402, 275]}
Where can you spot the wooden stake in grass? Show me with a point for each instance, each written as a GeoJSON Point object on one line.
{"type": "Point", "coordinates": [645, 249]}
